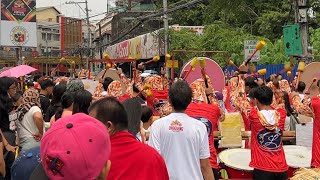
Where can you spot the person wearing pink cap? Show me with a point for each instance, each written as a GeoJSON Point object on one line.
{"type": "Point", "coordinates": [76, 147]}
{"type": "Point", "coordinates": [130, 158]}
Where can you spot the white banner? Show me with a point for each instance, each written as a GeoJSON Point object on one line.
{"type": "Point", "coordinates": [18, 34]}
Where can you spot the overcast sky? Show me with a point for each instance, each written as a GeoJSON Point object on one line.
{"type": "Point", "coordinates": [97, 7]}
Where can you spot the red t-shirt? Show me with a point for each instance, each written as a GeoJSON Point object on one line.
{"type": "Point", "coordinates": [315, 161]}
{"type": "Point", "coordinates": [266, 159]}
{"type": "Point", "coordinates": [209, 114]}
{"type": "Point", "coordinates": [131, 159]}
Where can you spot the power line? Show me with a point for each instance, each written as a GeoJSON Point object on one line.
{"type": "Point", "coordinates": [145, 18]}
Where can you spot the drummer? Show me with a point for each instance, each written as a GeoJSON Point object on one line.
{"type": "Point", "coordinates": [207, 113]}
{"type": "Point", "coordinates": [314, 112]}
{"type": "Point", "coordinates": [267, 157]}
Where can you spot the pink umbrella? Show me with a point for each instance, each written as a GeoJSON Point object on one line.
{"type": "Point", "coordinates": [18, 71]}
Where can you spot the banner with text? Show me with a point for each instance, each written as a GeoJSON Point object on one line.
{"type": "Point", "coordinates": [18, 23]}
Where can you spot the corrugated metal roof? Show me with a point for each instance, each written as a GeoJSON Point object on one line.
{"type": "Point", "coordinates": [271, 69]}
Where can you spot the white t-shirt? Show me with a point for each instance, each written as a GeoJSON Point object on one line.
{"type": "Point", "coordinates": [27, 126]}
{"type": "Point", "coordinates": [301, 97]}
{"type": "Point", "coordinates": [182, 141]}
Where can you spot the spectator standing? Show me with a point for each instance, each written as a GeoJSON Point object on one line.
{"type": "Point", "coordinates": [141, 161]}
{"type": "Point", "coordinates": [45, 92]}
{"type": "Point", "coordinates": [181, 140]}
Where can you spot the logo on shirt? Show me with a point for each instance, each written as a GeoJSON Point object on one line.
{"type": "Point", "coordinates": [176, 126]}
{"type": "Point", "coordinates": [270, 140]}
{"type": "Point", "coordinates": [207, 123]}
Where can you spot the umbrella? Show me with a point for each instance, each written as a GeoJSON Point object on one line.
{"type": "Point", "coordinates": [4, 69]}
{"type": "Point", "coordinates": [18, 71]}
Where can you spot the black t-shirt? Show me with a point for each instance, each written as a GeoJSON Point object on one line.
{"type": "Point", "coordinates": [4, 120]}
{"type": "Point", "coordinates": [51, 111]}
{"type": "Point", "coordinates": [45, 103]}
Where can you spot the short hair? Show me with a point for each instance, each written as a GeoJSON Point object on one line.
{"type": "Point", "coordinates": [250, 82]}
{"type": "Point", "coordinates": [106, 83]}
{"type": "Point", "coordinates": [110, 109]}
{"type": "Point", "coordinates": [264, 95]}
{"type": "Point", "coordinates": [180, 95]}
{"type": "Point", "coordinates": [301, 86]}
{"type": "Point", "coordinates": [146, 113]}
{"type": "Point", "coordinates": [36, 77]}
{"type": "Point", "coordinates": [44, 84]}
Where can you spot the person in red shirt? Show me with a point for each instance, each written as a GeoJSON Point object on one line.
{"type": "Point", "coordinates": [209, 114]}
{"type": "Point", "coordinates": [130, 158]}
{"type": "Point", "coordinates": [315, 104]}
{"type": "Point", "coordinates": [314, 112]}
{"type": "Point", "coordinates": [267, 154]}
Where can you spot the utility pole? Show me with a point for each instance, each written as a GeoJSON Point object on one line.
{"type": "Point", "coordinates": [100, 42]}
{"type": "Point", "coordinates": [129, 5]}
{"type": "Point", "coordinates": [166, 29]}
{"type": "Point", "coordinates": [301, 17]}
{"type": "Point", "coordinates": [86, 11]}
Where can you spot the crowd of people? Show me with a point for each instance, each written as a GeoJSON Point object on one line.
{"type": "Point", "coordinates": [55, 129]}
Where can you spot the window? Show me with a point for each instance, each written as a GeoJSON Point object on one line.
{"type": "Point", "coordinates": [50, 20]}
{"type": "Point", "coordinates": [56, 37]}
{"type": "Point", "coordinates": [49, 37]}
{"type": "Point", "coordinates": [43, 36]}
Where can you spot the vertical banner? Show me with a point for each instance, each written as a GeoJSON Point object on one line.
{"type": "Point", "coordinates": [18, 23]}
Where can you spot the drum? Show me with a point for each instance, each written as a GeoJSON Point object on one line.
{"type": "Point", "coordinates": [213, 70]}
{"type": "Point", "coordinates": [297, 157]}
{"type": "Point", "coordinates": [236, 162]}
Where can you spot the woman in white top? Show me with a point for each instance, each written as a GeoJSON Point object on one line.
{"type": "Point", "coordinates": [30, 120]}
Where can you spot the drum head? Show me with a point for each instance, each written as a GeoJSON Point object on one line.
{"type": "Point", "coordinates": [213, 70]}
{"type": "Point", "coordinates": [297, 156]}
{"type": "Point", "coordinates": [311, 71]}
{"type": "Point", "coordinates": [237, 159]}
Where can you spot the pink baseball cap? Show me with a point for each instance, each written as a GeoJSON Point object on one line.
{"type": "Point", "coordinates": [75, 147]}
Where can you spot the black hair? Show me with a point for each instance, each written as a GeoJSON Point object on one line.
{"type": "Point", "coordinates": [180, 95]}
{"type": "Point", "coordinates": [5, 101]}
{"type": "Point", "coordinates": [44, 84]}
{"type": "Point", "coordinates": [251, 93]}
{"type": "Point", "coordinates": [82, 101]}
{"type": "Point", "coordinates": [318, 83]}
{"type": "Point", "coordinates": [133, 109]}
{"type": "Point", "coordinates": [116, 112]}
{"type": "Point", "coordinates": [250, 82]}
{"type": "Point", "coordinates": [106, 83]}
{"type": "Point", "coordinates": [268, 80]}
{"type": "Point", "coordinates": [264, 95]}
{"type": "Point", "coordinates": [146, 113]}
{"type": "Point", "coordinates": [30, 84]}
{"type": "Point", "coordinates": [301, 86]}
{"type": "Point", "coordinates": [66, 101]}
{"type": "Point", "coordinates": [57, 93]}
{"type": "Point", "coordinates": [36, 77]}
{"type": "Point", "coordinates": [287, 105]}
{"type": "Point", "coordinates": [16, 97]}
